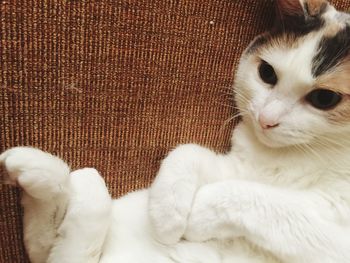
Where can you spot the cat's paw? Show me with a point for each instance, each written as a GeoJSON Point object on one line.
{"type": "Point", "coordinates": [38, 173]}
{"type": "Point", "coordinates": [172, 192]}
{"type": "Point", "coordinates": [168, 218]}
{"type": "Point", "coordinates": [210, 216]}
{"type": "Point", "coordinates": [203, 219]}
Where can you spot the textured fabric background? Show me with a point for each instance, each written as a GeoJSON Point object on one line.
{"type": "Point", "coordinates": [117, 84]}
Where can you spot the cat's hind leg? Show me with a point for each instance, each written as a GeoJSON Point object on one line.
{"type": "Point", "coordinates": [44, 179]}
{"type": "Point", "coordinates": [66, 216]}
{"type": "Point", "coordinates": [81, 236]}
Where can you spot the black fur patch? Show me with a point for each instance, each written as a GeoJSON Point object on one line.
{"type": "Point", "coordinates": [303, 23]}
{"type": "Point", "coordinates": [331, 51]}
{"type": "Point", "coordinates": [299, 25]}
{"type": "Point", "coordinates": [296, 26]}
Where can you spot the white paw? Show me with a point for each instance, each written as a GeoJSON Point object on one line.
{"type": "Point", "coordinates": [171, 230]}
{"type": "Point", "coordinates": [203, 219]}
{"type": "Point", "coordinates": [172, 193]}
{"type": "Point", "coordinates": [169, 219]}
{"type": "Point", "coordinates": [210, 216]}
{"type": "Point", "coordinates": [38, 173]}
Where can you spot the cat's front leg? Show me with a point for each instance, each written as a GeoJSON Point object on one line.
{"type": "Point", "coordinates": [209, 219]}
{"type": "Point", "coordinates": [296, 226]}
{"type": "Point", "coordinates": [171, 195]}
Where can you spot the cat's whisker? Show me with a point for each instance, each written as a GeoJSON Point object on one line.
{"type": "Point", "coordinates": [332, 156]}
{"type": "Point", "coordinates": [232, 118]}
{"type": "Point", "coordinates": [314, 152]}
{"type": "Point", "coordinates": [330, 142]}
{"type": "Point", "coordinates": [238, 93]}
{"type": "Point", "coordinates": [228, 94]}
{"type": "Point", "coordinates": [227, 105]}
{"type": "Point", "coordinates": [229, 88]}
{"type": "Point", "coordinates": [334, 151]}
{"type": "Point", "coordinates": [242, 97]}
{"type": "Point", "coordinates": [227, 99]}
{"type": "Point", "coordinates": [299, 149]}
{"type": "Point", "coordinates": [322, 144]}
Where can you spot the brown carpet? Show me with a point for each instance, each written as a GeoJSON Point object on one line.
{"type": "Point", "coordinates": [117, 84]}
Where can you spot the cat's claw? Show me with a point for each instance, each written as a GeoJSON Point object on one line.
{"type": "Point", "coordinates": [38, 173]}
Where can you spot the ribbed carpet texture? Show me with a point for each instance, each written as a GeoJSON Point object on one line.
{"type": "Point", "coordinates": [117, 84]}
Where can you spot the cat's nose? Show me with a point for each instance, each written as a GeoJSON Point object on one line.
{"type": "Point", "coordinates": [267, 123]}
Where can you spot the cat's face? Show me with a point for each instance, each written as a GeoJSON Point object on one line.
{"type": "Point", "coordinates": [293, 83]}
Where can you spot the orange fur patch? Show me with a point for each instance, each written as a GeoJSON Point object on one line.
{"type": "Point", "coordinates": [338, 80]}
{"type": "Point", "coordinates": [316, 6]}
{"type": "Point", "coordinates": [296, 7]}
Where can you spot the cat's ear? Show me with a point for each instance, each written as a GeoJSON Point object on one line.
{"type": "Point", "coordinates": [290, 8]}
{"type": "Point", "coordinates": [299, 14]}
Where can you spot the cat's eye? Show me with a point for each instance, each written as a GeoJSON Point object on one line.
{"type": "Point", "coordinates": [267, 73]}
{"type": "Point", "coordinates": [323, 99]}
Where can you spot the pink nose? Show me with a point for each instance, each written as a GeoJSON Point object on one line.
{"type": "Point", "coordinates": [267, 123]}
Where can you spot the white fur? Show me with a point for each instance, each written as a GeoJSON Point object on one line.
{"type": "Point", "coordinates": [279, 195]}
{"type": "Point", "coordinates": [259, 201]}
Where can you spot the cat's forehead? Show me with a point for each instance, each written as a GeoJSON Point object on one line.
{"type": "Point", "coordinates": [292, 59]}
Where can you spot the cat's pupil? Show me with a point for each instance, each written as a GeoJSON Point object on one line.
{"type": "Point", "coordinates": [267, 73]}
{"type": "Point", "coordinates": [323, 99]}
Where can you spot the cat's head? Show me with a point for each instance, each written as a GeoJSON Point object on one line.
{"type": "Point", "coordinates": [293, 82]}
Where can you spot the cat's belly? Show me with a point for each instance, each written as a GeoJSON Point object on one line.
{"type": "Point", "coordinates": [130, 240]}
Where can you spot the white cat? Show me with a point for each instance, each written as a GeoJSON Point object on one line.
{"type": "Point", "coordinates": [282, 194]}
